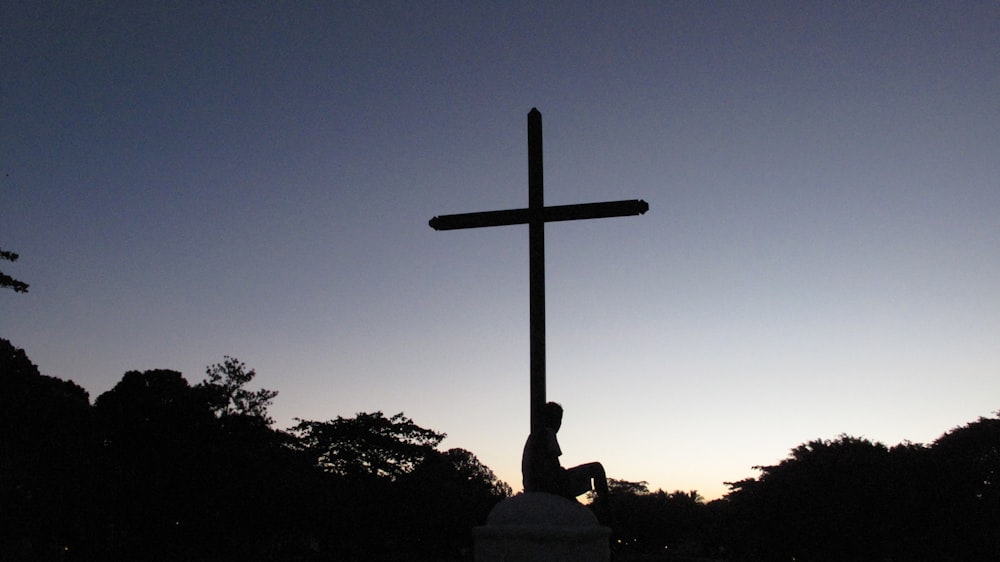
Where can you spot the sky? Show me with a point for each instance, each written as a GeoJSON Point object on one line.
{"type": "Point", "coordinates": [189, 180]}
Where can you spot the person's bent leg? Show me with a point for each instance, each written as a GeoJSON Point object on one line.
{"type": "Point", "coordinates": [587, 477]}
{"type": "Point", "coordinates": [600, 479]}
{"type": "Point", "coordinates": [602, 501]}
{"type": "Point", "coordinates": [578, 479]}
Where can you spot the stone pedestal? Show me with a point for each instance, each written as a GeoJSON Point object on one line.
{"type": "Point", "coordinates": [543, 527]}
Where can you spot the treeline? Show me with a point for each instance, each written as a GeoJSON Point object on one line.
{"type": "Point", "coordinates": [160, 469]}
{"type": "Point", "coordinates": [833, 500]}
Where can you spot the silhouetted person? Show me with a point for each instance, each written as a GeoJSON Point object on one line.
{"type": "Point", "coordinates": [541, 471]}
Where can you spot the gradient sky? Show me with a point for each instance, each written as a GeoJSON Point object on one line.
{"type": "Point", "coordinates": [186, 181]}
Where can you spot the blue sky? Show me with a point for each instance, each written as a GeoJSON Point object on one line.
{"type": "Point", "coordinates": [186, 181]}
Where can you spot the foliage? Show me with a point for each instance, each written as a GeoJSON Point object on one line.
{"type": "Point", "coordinates": [390, 493]}
{"type": "Point", "coordinates": [824, 500]}
{"type": "Point", "coordinates": [8, 282]}
{"type": "Point", "coordinates": [625, 488]}
{"type": "Point", "coordinates": [45, 436]}
{"type": "Point", "coordinates": [966, 464]}
{"type": "Point", "coordinates": [368, 445]}
{"type": "Point", "coordinates": [853, 499]}
{"type": "Point", "coordinates": [652, 523]}
{"type": "Point", "coordinates": [228, 396]}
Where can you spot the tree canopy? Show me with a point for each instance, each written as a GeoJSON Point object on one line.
{"type": "Point", "coordinates": [853, 499]}
{"type": "Point", "coordinates": [225, 386]}
{"type": "Point", "coordinates": [367, 445]}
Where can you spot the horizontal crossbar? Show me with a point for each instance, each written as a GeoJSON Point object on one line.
{"type": "Point", "coordinates": [554, 213]}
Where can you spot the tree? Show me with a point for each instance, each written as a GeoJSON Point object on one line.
{"type": "Point", "coordinates": [624, 488]}
{"type": "Point", "coordinates": [827, 501]}
{"type": "Point", "coordinates": [151, 409]}
{"type": "Point", "coordinates": [156, 435]}
{"type": "Point", "coordinates": [967, 463]}
{"type": "Point", "coordinates": [228, 396]}
{"type": "Point", "coordinates": [651, 523]}
{"type": "Point", "coordinates": [365, 514]}
{"type": "Point", "coordinates": [852, 499]}
{"type": "Point", "coordinates": [441, 500]}
{"type": "Point", "coordinates": [389, 494]}
{"type": "Point", "coordinates": [368, 445]}
{"type": "Point", "coordinates": [195, 471]}
{"type": "Point", "coordinates": [45, 460]}
{"type": "Point", "coordinates": [8, 282]}
{"type": "Point", "coordinates": [463, 467]}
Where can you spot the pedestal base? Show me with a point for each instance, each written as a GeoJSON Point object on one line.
{"type": "Point", "coordinates": [543, 527]}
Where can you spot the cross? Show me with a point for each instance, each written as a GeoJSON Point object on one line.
{"type": "Point", "coordinates": [536, 215]}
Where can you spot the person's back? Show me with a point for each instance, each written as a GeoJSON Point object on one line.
{"type": "Point", "coordinates": [540, 468]}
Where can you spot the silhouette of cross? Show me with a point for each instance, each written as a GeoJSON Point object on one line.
{"type": "Point", "coordinates": [536, 215]}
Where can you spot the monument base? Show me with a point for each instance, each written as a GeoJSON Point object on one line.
{"type": "Point", "coordinates": [544, 527]}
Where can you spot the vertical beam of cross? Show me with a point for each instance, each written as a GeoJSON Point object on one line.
{"type": "Point", "coordinates": [536, 267]}
{"type": "Point", "coordinates": [536, 215]}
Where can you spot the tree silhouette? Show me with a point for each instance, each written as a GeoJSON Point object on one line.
{"type": "Point", "coordinates": [969, 495]}
{"type": "Point", "coordinates": [368, 445]}
{"type": "Point", "coordinates": [8, 282]}
{"type": "Point", "coordinates": [827, 501]}
{"type": "Point", "coordinates": [390, 494]}
{"type": "Point", "coordinates": [228, 396]}
{"type": "Point", "coordinates": [652, 523]}
{"type": "Point", "coordinates": [186, 474]}
{"type": "Point", "coordinates": [156, 434]}
{"type": "Point", "coordinates": [45, 462]}
{"type": "Point", "coordinates": [853, 499]}
{"type": "Point", "coordinates": [442, 499]}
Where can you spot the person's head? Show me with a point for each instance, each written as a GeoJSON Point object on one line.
{"type": "Point", "coordinates": [552, 414]}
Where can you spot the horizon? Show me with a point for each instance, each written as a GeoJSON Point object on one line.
{"type": "Point", "coordinates": [515, 485]}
